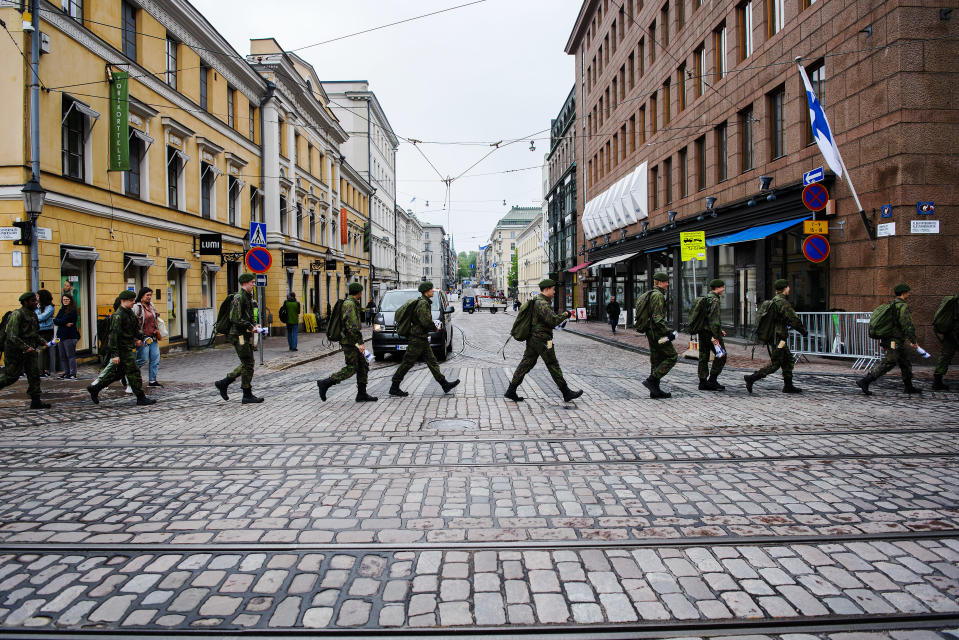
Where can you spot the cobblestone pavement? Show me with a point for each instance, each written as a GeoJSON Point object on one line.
{"type": "Point", "coordinates": [826, 515]}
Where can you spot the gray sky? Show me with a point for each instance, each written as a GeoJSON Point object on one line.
{"type": "Point", "coordinates": [488, 72]}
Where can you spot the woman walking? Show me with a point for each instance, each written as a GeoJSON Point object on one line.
{"type": "Point", "coordinates": [149, 350]}
{"type": "Point", "coordinates": [45, 317]}
{"type": "Point", "coordinates": [66, 323]}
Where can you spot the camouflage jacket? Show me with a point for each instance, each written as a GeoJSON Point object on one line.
{"type": "Point", "coordinates": [544, 320]}
{"type": "Point", "coordinates": [786, 318]}
{"type": "Point", "coordinates": [714, 323]}
{"type": "Point", "coordinates": [657, 314]}
{"type": "Point", "coordinates": [905, 329]}
{"type": "Point", "coordinates": [124, 332]}
{"type": "Point", "coordinates": [23, 331]}
{"type": "Point", "coordinates": [422, 323]}
{"type": "Point", "coordinates": [351, 331]}
{"type": "Point", "coordinates": [241, 314]}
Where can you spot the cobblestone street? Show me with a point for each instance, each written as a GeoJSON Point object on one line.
{"type": "Point", "coordinates": [821, 515]}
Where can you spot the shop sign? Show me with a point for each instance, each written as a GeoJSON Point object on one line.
{"type": "Point", "coordinates": [120, 122]}
{"type": "Point", "coordinates": [211, 244]}
{"type": "Point", "coordinates": [924, 226]}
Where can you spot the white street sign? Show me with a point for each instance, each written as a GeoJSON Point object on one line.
{"type": "Point", "coordinates": [9, 233]}
{"type": "Point", "coordinates": [924, 226]}
{"type": "Point", "coordinates": [44, 234]}
{"type": "Point", "coordinates": [886, 229]}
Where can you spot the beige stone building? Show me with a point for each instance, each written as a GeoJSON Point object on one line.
{"type": "Point", "coordinates": [531, 264]}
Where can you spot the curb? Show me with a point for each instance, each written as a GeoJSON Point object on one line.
{"type": "Point", "coordinates": [283, 366]}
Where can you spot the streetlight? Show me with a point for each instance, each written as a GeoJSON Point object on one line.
{"type": "Point", "coordinates": [33, 197]}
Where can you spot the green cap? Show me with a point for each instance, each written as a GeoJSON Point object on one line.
{"type": "Point", "coordinates": [245, 277]}
{"type": "Point", "coordinates": [901, 288]}
{"type": "Point", "coordinates": [780, 284]}
{"type": "Point", "coordinates": [425, 286]}
{"type": "Point", "coordinates": [126, 294]}
{"type": "Point", "coordinates": [546, 283]}
{"type": "Point", "coordinates": [26, 296]}
{"type": "Point", "coordinates": [660, 276]}
{"type": "Point", "coordinates": [354, 288]}
{"type": "Point", "coordinates": [715, 284]}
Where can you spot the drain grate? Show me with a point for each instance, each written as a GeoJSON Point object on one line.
{"type": "Point", "coordinates": [451, 424]}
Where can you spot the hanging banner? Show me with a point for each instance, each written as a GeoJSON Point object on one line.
{"type": "Point", "coordinates": [119, 122]}
{"type": "Point", "coordinates": [343, 236]}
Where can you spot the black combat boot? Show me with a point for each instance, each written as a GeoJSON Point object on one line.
{"type": "Point", "coordinates": [788, 386]}
{"type": "Point", "coordinates": [713, 383]}
{"type": "Point", "coordinates": [396, 391]}
{"type": "Point", "coordinates": [249, 398]}
{"type": "Point", "coordinates": [751, 380]}
{"type": "Point", "coordinates": [447, 386]}
{"type": "Point", "coordinates": [511, 393]}
{"type": "Point", "coordinates": [569, 395]}
{"type": "Point", "coordinates": [938, 384]}
{"type": "Point", "coordinates": [911, 389]}
{"type": "Point", "coordinates": [94, 390]}
{"type": "Point", "coordinates": [223, 385]}
{"type": "Point", "coordinates": [324, 385]}
{"type": "Point", "coordinates": [654, 391]}
{"type": "Point", "coordinates": [144, 401]}
{"type": "Point", "coordinates": [864, 382]}
{"type": "Point", "coordinates": [704, 385]}
{"type": "Point", "coordinates": [35, 403]}
{"type": "Point", "coordinates": [362, 395]}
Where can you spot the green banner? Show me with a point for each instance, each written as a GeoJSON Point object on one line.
{"type": "Point", "coordinates": [120, 122]}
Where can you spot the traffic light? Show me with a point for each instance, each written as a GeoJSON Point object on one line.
{"type": "Point", "coordinates": [366, 237]}
{"type": "Point", "coordinates": [26, 232]}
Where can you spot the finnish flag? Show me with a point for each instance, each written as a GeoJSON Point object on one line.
{"type": "Point", "coordinates": [820, 127]}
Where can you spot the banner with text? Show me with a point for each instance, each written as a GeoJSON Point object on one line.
{"type": "Point", "coordinates": [343, 236]}
{"type": "Point", "coordinates": [119, 122]}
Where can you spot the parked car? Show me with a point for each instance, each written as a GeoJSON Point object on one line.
{"type": "Point", "coordinates": [385, 338]}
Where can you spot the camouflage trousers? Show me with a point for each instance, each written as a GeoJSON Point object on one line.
{"type": "Point", "coordinates": [892, 358]}
{"type": "Point", "coordinates": [535, 349]}
{"type": "Point", "coordinates": [779, 358]}
{"type": "Point", "coordinates": [244, 351]}
{"type": "Point", "coordinates": [419, 348]}
{"type": "Point", "coordinates": [127, 368]}
{"type": "Point", "coordinates": [15, 363]}
{"type": "Point", "coordinates": [355, 364]}
{"type": "Point", "coordinates": [705, 348]}
{"type": "Point", "coordinates": [945, 358]}
{"type": "Point", "coordinates": [662, 357]}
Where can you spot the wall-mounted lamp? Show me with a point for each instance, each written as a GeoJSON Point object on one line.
{"type": "Point", "coordinates": [710, 202]}
{"type": "Point", "coordinates": [764, 182]}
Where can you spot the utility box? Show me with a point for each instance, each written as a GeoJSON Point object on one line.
{"type": "Point", "coordinates": [199, 326]}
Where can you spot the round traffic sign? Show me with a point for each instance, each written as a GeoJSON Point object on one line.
{"type": "Point", "coordinates": [815, 248]}
{"type": "Point", "coordinates": [258, 260]}
{"type": "Point", "coordinates": [815, 197]}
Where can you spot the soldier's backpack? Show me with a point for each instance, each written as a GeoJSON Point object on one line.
{"type": "Point", "coordinates": [643, 314]}
{"type": "Point", "coordinates": [3, 330]}
{"type": "Point", "coordinates": [945, 318]}
{"type": "Point", "coordinates": [222, 324]}
{"type": "Point", "coordinates": [404, 318]}
{"type": "Point", "coordinates": [767, 319]}
{"type": "Point", "coordinates": [334, 327]}
{"type": "Point", "coordinates": [523, 324]}
{"type": "Point", "coordinates": [699, 314]}
{"type": "Point", "coordinates": [882, 321]}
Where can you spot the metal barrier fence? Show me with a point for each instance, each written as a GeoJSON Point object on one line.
{"type": "Point", "coordinates": [839, 334]}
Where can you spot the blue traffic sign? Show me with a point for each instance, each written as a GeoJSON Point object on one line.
{"type": "Point", "coordinates": [812, 177]}
{"type": "Point", "coordinates": [815, 248]}
{"type": "Point", "coordinates": [258, 234]}
{"type": "Point", "coordinates": [815, 197]}
{"type": "Point", "coordinates": [261, 279]}
{"type": "Point", "coordinates": [885, 211]}
{"type": "Point", "coordinates": [258, 260]}
{"type": "Point", "coordinates": [925, 208]}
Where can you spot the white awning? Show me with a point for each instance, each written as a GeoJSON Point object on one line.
{"type": "Point", "coordinates": [137, 261]}
{"type": "Point", "coordinates": [177, 263]}
{"type": "Point", "coordinates": [147, 140]}
{"type": "Point", "coordinates": [80, 255]}
{"type": "Point", "coordinates": [613, 260]}
{"type": "Point", "coordinates": [212, 267]}
{"type": "Point", "coordinates": [622, 204]}
{"type": "Point", "coordinates": [82, 108]}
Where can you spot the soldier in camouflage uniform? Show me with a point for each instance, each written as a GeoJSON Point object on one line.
{"type": "Point", "coordinates": [950, 343]}
{"type": "Point", "coordinates": [779, 354]}
{"type": "Point", "coordinates": [896, 353]}
{"type": "Point", "coordinates": [662, 353]}
{"type": "Point", "coordinates": [125, 337]}
{"type": "Point", "coordinates": [419, 345]}
{"type": "Point", "coordinates": [351, 341]}
{"type": "Point", "coordinates": [19, 352]}
{"type": "Point", "coordinates": [242, 326]}
{"type": "Point", "coordinates": [710, 336]}
{"type": "Point", "coordinates": [539, 344]}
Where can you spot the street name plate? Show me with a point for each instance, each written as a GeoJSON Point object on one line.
{"type": "Point", "coordinates": [924, 226]}
{"type": "Point", "coordinates": [886, 229]}
{"type": "Point", "coordinates": [9, 233]}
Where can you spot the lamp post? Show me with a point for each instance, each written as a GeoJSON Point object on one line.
{"type": "Point", "coordinates": [33, 197]}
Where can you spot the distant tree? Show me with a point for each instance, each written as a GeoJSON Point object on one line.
{"type": "Point", "coordinates": [513, 277]}
{"type": "Point", "coordinates": [463, 262]}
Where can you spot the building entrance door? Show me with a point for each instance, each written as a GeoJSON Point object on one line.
{"type": "Point", "coordinates": [745, 300]}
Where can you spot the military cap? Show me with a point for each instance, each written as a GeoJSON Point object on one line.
{"type": "Point", "coordinates": [901, 288]}
{"type": "Point", "coordinates": [660, 276]}
{"type": "Point", "coordinates": [245, 277]}
{"type": "Point", "coordinates": [546, 283]}
{"type": "Point", "coordinates": [26, 296]}
{"type": "Point", "coordinates": [126, 294]}
{"type": "Point", "coordinates": [715, 284]}
{"type": "Point", "coordinates": [354, 288]}
{"type": "Point", "coordinates": [780, 284]}
{"type": "Point", "coordinates": [425, 286]}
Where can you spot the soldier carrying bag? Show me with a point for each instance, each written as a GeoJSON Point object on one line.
{"type": "Point", "coordinates": [698, 314]}
{"type": "Point", "coordinates": [883, 321]}
{"type": "Point", "coordinates": [523, 324]}
{"type": "Point", "coordinates": [766, 321]}
{"type": "Point", "coordinates": [643, 313]}
{"type": "Point", "coordinates": [944, 320]}
{"type": "Point", "coordinates": [334, 327]}
{"type": "Point", "coordinates": [404, 318]}
{"type": "Point", "coordinates": [3, 330]}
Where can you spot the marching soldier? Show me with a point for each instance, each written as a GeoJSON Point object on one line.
{"type": "Point", "coordinates": [903, 335]}
{"type": "Point", "coordinates": [125, 337]}
{"type": "Point", "coordinates": [662, 353]}
{"type": "Point", "coordinates": [20, 349]}
{"type": "Point", "coordinates": [779, 354]}
{"type": "Point", "coordinates": [419, 345]}
{"type": "Point", "coordinates": [950, 342]}
{"type": "Point", "coordinates": [710, 337]}
{"type": "Point", "coordinates": [539, 344]}
{"type": "Point", "coordinates": [351, 340]}
{"type": "Point", "coordinates": [242, 326]}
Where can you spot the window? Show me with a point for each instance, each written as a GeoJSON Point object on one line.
{"type": "Point", "coordinates": [652, 113]}
{"type": "Point", "coordinates": [666, 99]}
{"type": "Point", "coordinates": [622, 82]}
{"type": "Point", "coordinates": [774, 16]}
{"type": "Point", "coordinates": [652, 42]}
{"type": "Point", "coordinates": [654, 191]}
{"type": "Point", "coordinates": [777, 123]}
{"type": "Point", "coordinates": [255, 204]}
{"type": "Point", "coordinates": [172, 47]}
{"type": "Point", "coordinates": [641, 70]}
{"type": "Point", "coordinates": [131, 178]}
{"type": "Point", "coordinates": [680, 14]}
{"type": "Point", "coordinates": [807, 3]}
{"type": "Point", "coordinates": [129, 29]}
{"type": "Point", "coordinates": [615, 94]}
{"type": "Point", "coordinates": [609, 160]}
{"type": "Point", "coordinates": [683, 172]}
{"type": "Point", "coordinates": [283, 216]}
{"type": "Point", "coordinates": [668, 174]}
{"type": "Point", "coordinates": [817, 78]}
{"type": "Point", "coordinates": [612, 33]}
{"type": "Point", "coordinates": [744, 14]}
{"type": "Point", "coordinates": [631, 65]}
{"type": "Point", "coordinates": [204, 79]}
{"type": "Point", "coordinates": [632, 133]}
{"type": "Point", "coordinates": [615, 152]}
{"type": "Point", "coordinates": [642, 124]}
{"type": "Point", "coordinates": [700, 70]}
{"type": "Point", "coordinates": [74, 141]}
{"type": "Point", "coordinates": [252, 121]}
{"type": "Point", "coordinates": [309, 158]}
{"type": "Point", "coordinates": [719, 43]}
{"type": "Point", "coordinates": [74, 9]}
{"type": "Point", "coordinates": [681, 85]}
{"type": "Point", "coordinates": [722, 153]}
{"type": "Point", "coordinates": [231, 107]}
{"type": "Point", "coordinates": [207, 176]}
{"type": "Point", "coordinates": [174, 170]}
{"type": "Point", "coordinates": [701, 163]}
{"type": "Point", "coordinates": [664, 20]}
{"type": "Point", "coordinates": [233, 199]}
{"type": "Point", "coordinates": [746, 138]}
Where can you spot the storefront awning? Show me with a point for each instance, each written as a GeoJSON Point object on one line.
{"type": "Point", "coordinates": [754, 233]}
{"type": "Point", "coordinates": [211, 267]}
{"type": "Point", "coordinates": [578, 267]}
{"type": "Point", "coordinates": [614, 260]}
{"type": "Point", "coordinates": [80, 255]}
{"type": "Point", "coordinates": [176, 263]}
{"type": "Point", "coordinates": [137, 261]}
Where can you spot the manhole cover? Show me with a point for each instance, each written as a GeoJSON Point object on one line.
{"type": "Point", "coordinates": [452, 424]}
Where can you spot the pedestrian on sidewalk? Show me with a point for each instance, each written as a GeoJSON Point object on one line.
{"type": "Point", "coordinates": [351, 341]}
{"type": "Point", "coordinates": [710, 337]}
{"type": "Point", "coordinates": [946, 325]}
{"type": "Point", "coordinates": [901, 335]}
{"type": "Point", "coordinates": [651, 306]}
{"type": "Point", "coordinates": [612, 313]}
{"type": "Point", "coordinates": [242, 326]}
{"type": "Point", "coordinates": [20, 349]}
{"type": "Point", "coordinates": [67, 334]}
{"type": "Point", "coordinates": [419, 344]}
{"type": "Point", "coordinates": [290, 314]}
{"type": "Point", "coordinates": [45, 318]}
{"type": "Point", "coordinates": [125, 338]}
{"type": "Point", "coordinates": [149, 351]}
{"type": "Point", "coordinates": [370, 312]}
{"type": "Point", "coordinates": [539, 344]}
{"type": "Point", "coordinates": [779, 354]}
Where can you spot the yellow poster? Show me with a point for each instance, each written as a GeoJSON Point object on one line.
{"type": "Point", "coordinates": [692, 245]}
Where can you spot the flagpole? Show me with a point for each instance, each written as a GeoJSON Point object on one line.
{"type": "Point", "coordinates": [855, 196]}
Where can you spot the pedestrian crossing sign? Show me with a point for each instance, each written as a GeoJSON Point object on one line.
{"type": "Point", "coordinates": [258, 234]}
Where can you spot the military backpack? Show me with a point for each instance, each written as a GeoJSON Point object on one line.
{"type": "Point", "coordinates": [643, 314]}
{"type": "Point", "coordinates": [883, 321]}
{"type": "Point", "coordinates": [523, 324]}
{"type": "Point", "coordinates": [334, 328]}
{"type": "Point", "coordinates": [944, 321]}
{"type": "Point", "coordinates": [699, 314]}
{"type": "Point", "coordinates": [767, 320]}
{"type": "Point", "coordinates": [222, 324]}
{"type": "Point", "coordinates": [3, 330]}
{"type": "Point", "coordinates": [404, 318]}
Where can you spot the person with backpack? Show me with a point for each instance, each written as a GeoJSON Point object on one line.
{"type": "Point", "coordinates": [125, 338]}
{"type": "Point", "coordinates": [419, 344]}
{"type": "Point", "coordinates": [775, 318]}
{"type": "Point", "coordinates": [149, 351]}
{"type": "Point", "coordinates": [351, 341]}
{"type": "Point", "coordinates": [650, 318]}
{"type": "Point", "coordinates": [946, 325]}
{"type": "Point", "coordinates": [21, 342]}
{"type": "Point", "coordinates": [612, 313]}
{"type": "Point", "coordinates": [290, 314]}
{"type": "Point", "coordinates": [539, 343]}
{"type": "Point", "coordinates": [895, 330]}
{"type": "Point", "coordinates": [240, 332]}
{"type": "Point", "coordinates": [705, 320]}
